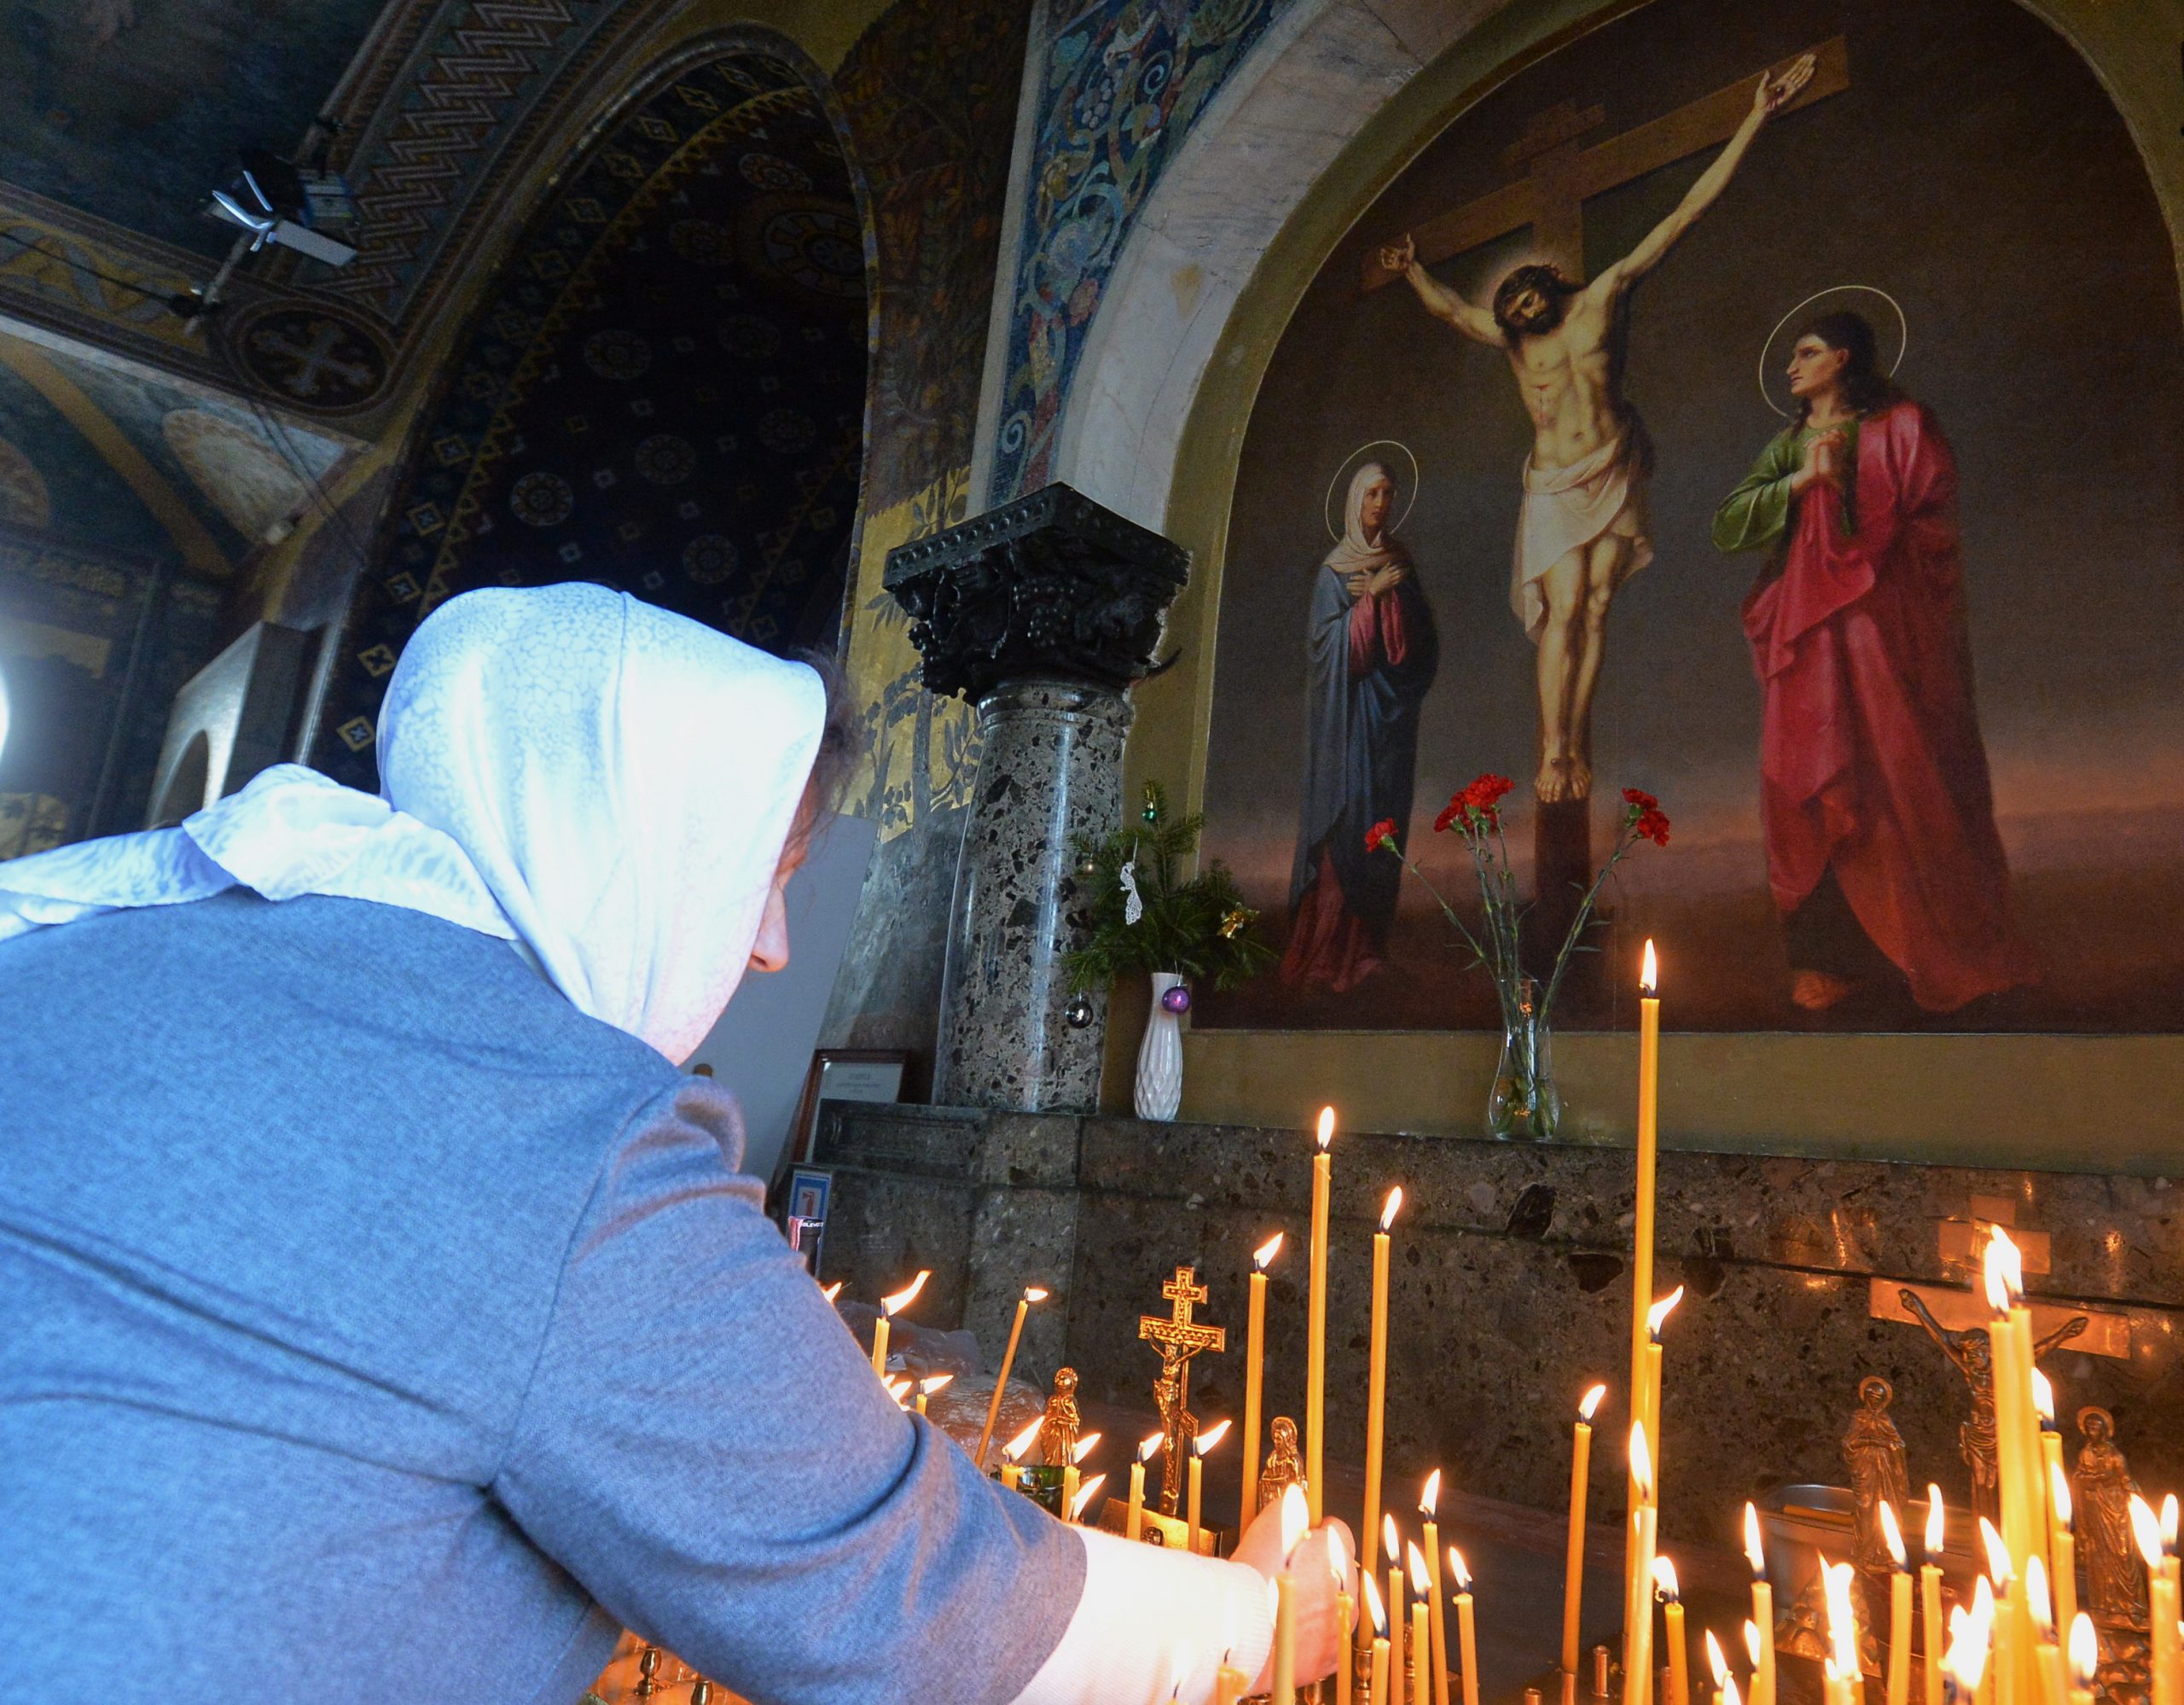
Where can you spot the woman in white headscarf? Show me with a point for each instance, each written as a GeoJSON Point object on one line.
{"type": "Point", "coordinates": [379, 1303]}
{"type": "Point", "coordinates": [1372, 653]}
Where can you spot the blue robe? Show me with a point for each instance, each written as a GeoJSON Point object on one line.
{"type": "Point", "coordinates": [1360, 749]}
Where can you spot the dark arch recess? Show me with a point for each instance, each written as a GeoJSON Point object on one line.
{"type": "Point", "coordinates": [661, 389]}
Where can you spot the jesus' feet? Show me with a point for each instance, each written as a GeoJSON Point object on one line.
{"type": "Point", "coordinates": [1816, 991]}
{"type": "Point", "coordinates": [1554, 781]}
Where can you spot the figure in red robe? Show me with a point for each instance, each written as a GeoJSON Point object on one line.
{"type": "Point", "coordinates": [1879, 816]}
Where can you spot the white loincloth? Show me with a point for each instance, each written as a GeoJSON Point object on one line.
{"type": "Point", "coordinates": [1567, 508]}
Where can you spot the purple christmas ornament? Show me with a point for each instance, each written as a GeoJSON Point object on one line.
{"type": "Point", "coordinates": [1177, 999]}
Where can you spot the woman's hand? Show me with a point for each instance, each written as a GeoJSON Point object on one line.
{"type": "Point", "coordinates": [1324, 1564]}
{"type": "Point", "coordinates": [1385, 579]}
{"type": "Point", "coordinates": [1823, 462]}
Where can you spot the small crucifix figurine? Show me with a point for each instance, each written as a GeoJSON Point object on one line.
{"type": "Point", "coordinates": [1177, 1339]}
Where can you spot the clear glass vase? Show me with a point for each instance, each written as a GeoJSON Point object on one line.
{"type": "Point", "coordinates": [1524, 1107]}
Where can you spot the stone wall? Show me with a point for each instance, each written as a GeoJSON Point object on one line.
{"type": "Point", "coordinates": [1510, 1291]}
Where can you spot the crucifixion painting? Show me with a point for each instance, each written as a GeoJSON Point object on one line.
{"type": "Point", "coordinates": [1585, 527]}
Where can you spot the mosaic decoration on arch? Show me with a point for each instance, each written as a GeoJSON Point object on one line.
{"type": "Point", "coordinates": [662, 391]}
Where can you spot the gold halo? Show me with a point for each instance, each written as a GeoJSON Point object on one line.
{"type": "Point", "coordinates": [1327, 504]}
{"type": "Point", "coordinates": [1767, 368]}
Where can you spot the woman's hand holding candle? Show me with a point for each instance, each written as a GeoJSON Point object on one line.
{"type": "Point", "coordinates": [1325, 1555]}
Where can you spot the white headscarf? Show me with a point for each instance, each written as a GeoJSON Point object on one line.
{"type": "Point", "coordinates": [608, 782]}
{"type": "Point", "coordinates": [1356, 554]}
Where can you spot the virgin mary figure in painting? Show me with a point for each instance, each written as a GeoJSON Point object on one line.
{"type": "Point", "coordinates": [1372, 654]}
{"type": "Point", "coordinates": [1874, 795]}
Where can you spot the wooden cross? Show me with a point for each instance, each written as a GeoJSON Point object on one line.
{"type": "Point", "coordinates": [1178, 1338]}
{"type": "Point", "coordinates": [1559, 175]}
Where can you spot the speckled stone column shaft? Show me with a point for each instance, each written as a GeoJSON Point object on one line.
{"type": "Point", "coordinates": [1051, 770]}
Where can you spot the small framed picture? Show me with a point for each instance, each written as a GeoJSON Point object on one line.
{"type": "Point", "coordinates": [803, 1215]}
{"type": "Point", "coordinates": [843, 1074]}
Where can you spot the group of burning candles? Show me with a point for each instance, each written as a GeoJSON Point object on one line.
{"type": "Point", "coordinates": [2006, 1649]}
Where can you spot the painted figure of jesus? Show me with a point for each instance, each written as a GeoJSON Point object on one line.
{"type": "Point", "coordinates": [1583, 530]}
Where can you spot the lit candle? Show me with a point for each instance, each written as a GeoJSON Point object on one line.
{"type": "Point", "coordinates": [1664, 1589]}
{"type": "Point", "coordinates": [1762, 1610]}
{"type": "Point", "coordinates": [1376, 1397]}
{"type": "Point", "coordinates": [1646, 1409]}
{"type": "Point", "coordinates": [1077, 1455]}
{"type": "Point", "coordinates": [1199, 1446]}
{"type": "Point", "coordinates": [1573, 1562]}
{"type": "Point", "coordinates": [1467, 1626]}
{"type": "Point", "coordinates": [1638, 1599]}
{"type": "Point", "coordinates": [2161, 1604]}
{"type": "Point", "coordinates": [1012, 1467]}
{"type": "Point", "coordinates": [1967, 1664]}
{"type": "Point", "coordinates": [1899, 1610]}
{"type": "Point", "coordinates": [899, 1389]}
{"type": "Point", "coordinates": [890, 1306]}
{"type": "Point", "coordinates": [1656, 1318]}
{"type": "Point", "coordinates": [1229, 1685]}
{"type": "Point", "coordinates": [1316, 1345]}
{"type": "Point", "coordinates": [1031, 1295]}
{"type": "Point", "coordinates": [2012, 1627]}
{"type": "Point", "coordinates": [1429, 1504]}
{"type": "Point", "coordinates": [1930, 1592]}
{"type": "Point", "coordinates": [1296, 1524]}
{"type": "Point", "coordinates": [1376, 1618]}
{"type": "Point", "coordinates": [1649, 1077]}
{"type": "Point", "coordinates": [1717, 1665]}
{"type": "Point", "coordinates": [1421, 1627]}
{"type": "Point", "coordinates": [2169, 1635]}
{"type": "Point", "coordinates": [2062, 1545]}
{"type": "Point", "coordinates": [1845, 1680]}
{"type": "Point", "coordinates": [2049, 1651]}
{"type": "Point", "coordinates": [1134, 1524]}
{"type": "Point", "coordinates": [2085, 1659]}
{"type": "Point", "coordinates": [1083, 1499]}
{"type": "Point", "coordinates": [1254, 1377]}
{"type": "Point", "coordinates": [927, 1388]}
{"type": "Point", "coordinates": [830, 1292]}
{"type": "Point", "coordinates": [2016, 1430]}
{"type": "Point", "coordinates": [1395, 1609]}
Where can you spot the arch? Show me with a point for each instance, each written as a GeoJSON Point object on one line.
{"type": "Point", "coordinates": [711, 230]}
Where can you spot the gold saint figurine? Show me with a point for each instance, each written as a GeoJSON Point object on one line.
{"type": "Point", "coordinates": [1284, 1467]}
{"type": "Point", "coordinates": [1058, 1432]}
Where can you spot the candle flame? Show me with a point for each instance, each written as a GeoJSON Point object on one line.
{"type": "Point", "coordinates": [1937, 1521]}
{"type": "Point", "coordinates": [1083, 1448]}
{"type": "Point", "coordinates": [1969, 1635]}
{"type": "Point", "coordinates": [2168, 1524]}
{"type": "Point", "coordinates": [1755, 1550]}
{"type": "Point", "coordinates": [1841, 1622]}
{"type": "Point", "coordinates": [1999, 1569]}
{"type": "Point", "coordinates": [1642, 1460]}
{"type": "Point", "coordinates": [1373, 1608]}
{"type": "Point", "coordinates": [1664, 1581]}
{"type": "Point", "coordinates": [2002, 1269]}
{"type": "Point", "coordinates": [2037, 1599]}
{"type": "Point", "coordinates": [1263, 1257]}
{"type": "Point", "coordinates": [1458, 1570]}
{"type": "Point", "coordinates": [1391, 1539]}
{"type": "Point", "coordinates": [1430, 1499]}
{"type": "Point", "coordinates": [1751, 1640]}
{"type": "Point", "coordinates": [1337, 1557]}
{"type": "Point", "coordinates": [1326, 1128]}
{"type": "Point", "coordinates": [2059, 1495]}
{"type": "Point", "coordinates": [2147, 1529]}
{"type": "Point", "coordinates": [1149, 1448]}
{"type": "Point", "coordinates": [2044, 1400]}
{"type": "Point", "coordinates": [1717, 1665]}
{"type": "Point", "coordinates": [1892, 1534]}
{"type": "Point", "coordinates": [1388, 1213]}
{"type": "Point", "coordinates": [1588, 1406]}
{"type": "Point", "coordinates": [1296, 1519]}
{"type": "Point", "coordinates": [2085, 1651]}
{"type": "Point", "coordinates": [1649, 969]}
{"type": "Point", "coordinates": [1729, 1694]}
{"type": "Point", "coordinates": [1014, 1449]}
{"type": "Point", "coordinates": [892, 1305]}
{"type": "Point", "coordinates": [1657, 1315]}
{"type": "Point", "coordinates": [1207, 1439]}
{"type": "Point", "coordinates": [937, 1383]}
{"type": "Point", "coordinates": [899, 1389]}
{"type": "Point", "coordinates": [1085, 1494]}
{"type": "Point", "coordinates": [830, 1292]}
{"type": "Point", "coordinates": [1035, 1293]}
{"type": "Point", "coordinates": [1420, 1582]}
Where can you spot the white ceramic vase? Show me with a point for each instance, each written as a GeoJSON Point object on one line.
{"type": "Point", "coordinates": [1160, 1055]}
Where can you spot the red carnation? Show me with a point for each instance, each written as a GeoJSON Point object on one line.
{"type": "Point", "coordinates": [1644, 813]}
{"type": "Point", "coordinates": [1489, 791]}
{"type": "Point", "coordinates": [1449, 813]}
{"type": "Point", "coordinates": [1381, 834]}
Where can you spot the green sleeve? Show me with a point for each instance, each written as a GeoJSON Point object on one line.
{"type": "Point", "coordinates": [1757, 511]}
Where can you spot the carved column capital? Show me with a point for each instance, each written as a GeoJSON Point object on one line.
{"type": "Point", "coordinates": [1051, 586]}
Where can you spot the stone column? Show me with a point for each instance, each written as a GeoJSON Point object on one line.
{"type": "Point", "coordinates": [1042, 613]}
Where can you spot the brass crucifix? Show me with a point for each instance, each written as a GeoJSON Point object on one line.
{"type": "Point", "coordinates": [1177, 1339]}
